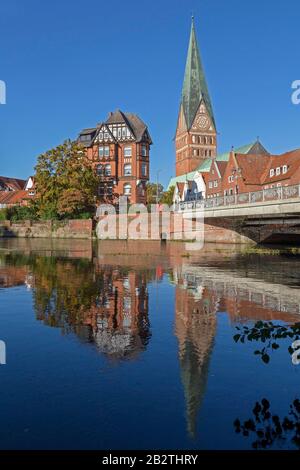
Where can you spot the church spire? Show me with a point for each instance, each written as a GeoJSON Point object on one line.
{"type": "Point", "coordinates": [194, 86]}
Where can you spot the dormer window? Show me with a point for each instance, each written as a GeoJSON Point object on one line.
{"type": "Point", "coordinates": [278, 171]}
{"type": "Point", "coordinates": [272, 173]}
{"type": "Point", "coordinates": [284, 169]}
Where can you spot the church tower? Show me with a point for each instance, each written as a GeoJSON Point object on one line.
{"type": "Point", "coordinates": [196, 133]}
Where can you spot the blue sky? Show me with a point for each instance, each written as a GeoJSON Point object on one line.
{"type": "Point", "coordinates": [68, 63]}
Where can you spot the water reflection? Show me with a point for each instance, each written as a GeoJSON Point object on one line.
{"type": "Point", "coordinates": [266, 428]}
{"type": "Point", "coordinates": [102, 296]}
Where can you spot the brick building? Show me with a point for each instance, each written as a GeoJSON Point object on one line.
{"type": "Point", "coordinates": [120, 151]}
{"type": "Point", "coordinates": [196, 133]}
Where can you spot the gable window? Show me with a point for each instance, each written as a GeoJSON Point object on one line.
{"type": "Point", "coordinates": [210, 185]}
{"type": "Point", "coordinates": [272, 173]}
{"type": "Point", "coordinates": [127, 169]}
{"type": "Point", "coordinates": [215, 184]}
{"type": "Point", "coordinates": [127, 189]}
{"type": "Point", "coordinates": [144, 169]}
{"type": "Point", "coordinates": [124, 132]}
{"type": "Point", "coordinates": [105, 135]}
{"type": "Point", "coordinates": [284, 169]}
{"type": "Point", "coordinates": [127, 151]}
{"type": "Point", "coordinates": [230, 179]}
{"type": "Point", "coordinates": [107, 170]}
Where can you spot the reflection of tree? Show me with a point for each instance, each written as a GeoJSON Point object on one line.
{"type": "Point", "coordinates": [268, 334]}
{"type": "Point", "coordinates": [105, 305]}
{"type": "Point", "coordinates": [268, 428]}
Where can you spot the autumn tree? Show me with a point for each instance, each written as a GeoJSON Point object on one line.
{"type": "Point", "coordinates": [167, 197]}
{"type": "Point", "coordinates": [66, 183]}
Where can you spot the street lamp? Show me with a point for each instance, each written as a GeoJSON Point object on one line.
{"type": "Point", "coordinates": [157, 182]}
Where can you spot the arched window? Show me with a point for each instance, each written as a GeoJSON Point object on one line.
{"type": "Point", "coordinates": [127, 189]}
{"type": "Point", "coordinates": [107, 170]}
{"type": "Point", "coordinates": [99, 170]}
{"type": "Point", "coordinates": [127, 169]}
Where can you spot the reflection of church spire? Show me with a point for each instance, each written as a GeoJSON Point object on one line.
{"type": "Point", "coordinates": [194, 378]}
{"type": "Point", "coordinates": [195, 330]}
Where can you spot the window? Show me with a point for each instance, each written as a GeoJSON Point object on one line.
{"type": "Point", "coordinates": [103, 151]}
{"type": "Point", "coordinates": [215, 184]}
{"type": "Point", "coordinates": [127, 169]}
{"type": "Point", "coordinates": [127, 189]}
{"type": "Point", "coordinates": [107, 170]}
{"type": "Point", "coordinates": [230, 179]}
{"type": "Point", "coordinates": [127, 151]}
{"type": "Point", "coordinates": [85, 138]}
{"type": "Point", "coordinates": [284, 169]}
{"type": "Point", "coordinates": [272, 172]}
{"type": "Point", "coordinates": [105, 135]}
{"type": "Point", "coordinates": [99, 170]}
{"type": "Point", "coordinates": [101, 135]}
{"type": "Point", "coordinates": [278, 171]}
{"type": "Point", "coordinates": [144, 169]}
{"type": "Point", "coordinates": [210, 185]}
{"type": "Point", "coordinates": [119, 132]}
{"type": "Point", "coordinates": [124, 132]}
{"type": "Point", "coordinates": [193, 139]}
{"type": "Point", "coordinates": [144, 150]}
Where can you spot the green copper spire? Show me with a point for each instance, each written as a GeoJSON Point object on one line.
{"type": "Point", "coordinates": [194, 85]}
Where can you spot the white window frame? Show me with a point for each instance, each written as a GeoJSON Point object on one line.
{"type": "Point", "coordinates": [126, 153]}
{"type": "Point", "coordinates": [127, 191]}
{"type": "Point", "coordinates": [127, 169]}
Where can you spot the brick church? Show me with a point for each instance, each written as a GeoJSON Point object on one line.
{"type": "Point", "coordinates": [120, 151]}
{"type": "Point", "coordinates": [196, 134]}
{"type": "Point", "coordinates": [202, 173]}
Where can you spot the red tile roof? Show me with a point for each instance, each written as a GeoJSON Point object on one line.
{"type": "Point", "coordinates": [291, 159]}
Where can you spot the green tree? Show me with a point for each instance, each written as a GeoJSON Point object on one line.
{"type": "Point", "coordinates": [154, 190]}
{"type": "Point", "coordinates": [66, 183]}
{"type": "Point", "coordinates": [167, 197]}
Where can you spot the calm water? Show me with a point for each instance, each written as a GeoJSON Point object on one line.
{"type": "Point", "coordinates": [127, 346]}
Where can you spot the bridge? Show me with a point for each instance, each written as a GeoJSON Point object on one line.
{"type": "Point", "coordinates": [266, 216]}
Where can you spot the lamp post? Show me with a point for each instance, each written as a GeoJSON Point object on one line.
{"type": "Point", "coordinates": [157, 183]}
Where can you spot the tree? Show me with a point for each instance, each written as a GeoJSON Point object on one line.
{"type": "Point", "coordinates": [153, 190]}
{"type": "Point", "coordinates": [66, 182]}
{"type": "Point", "coordinates": [167, 197]}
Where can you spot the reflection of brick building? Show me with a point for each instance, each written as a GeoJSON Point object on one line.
{"type": "Point", "coordinates": [120, 150]}
{"type": "Point", "coordinates": [119, 319]}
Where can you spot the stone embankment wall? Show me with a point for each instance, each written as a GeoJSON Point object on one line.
{"type": "Point", "coordinates": [47, 229]}
{"type": "Point", "coordinates": [224, 232]}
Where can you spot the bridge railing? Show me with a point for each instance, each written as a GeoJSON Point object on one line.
{"type": "Point", "coordinates": [256, 197]}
